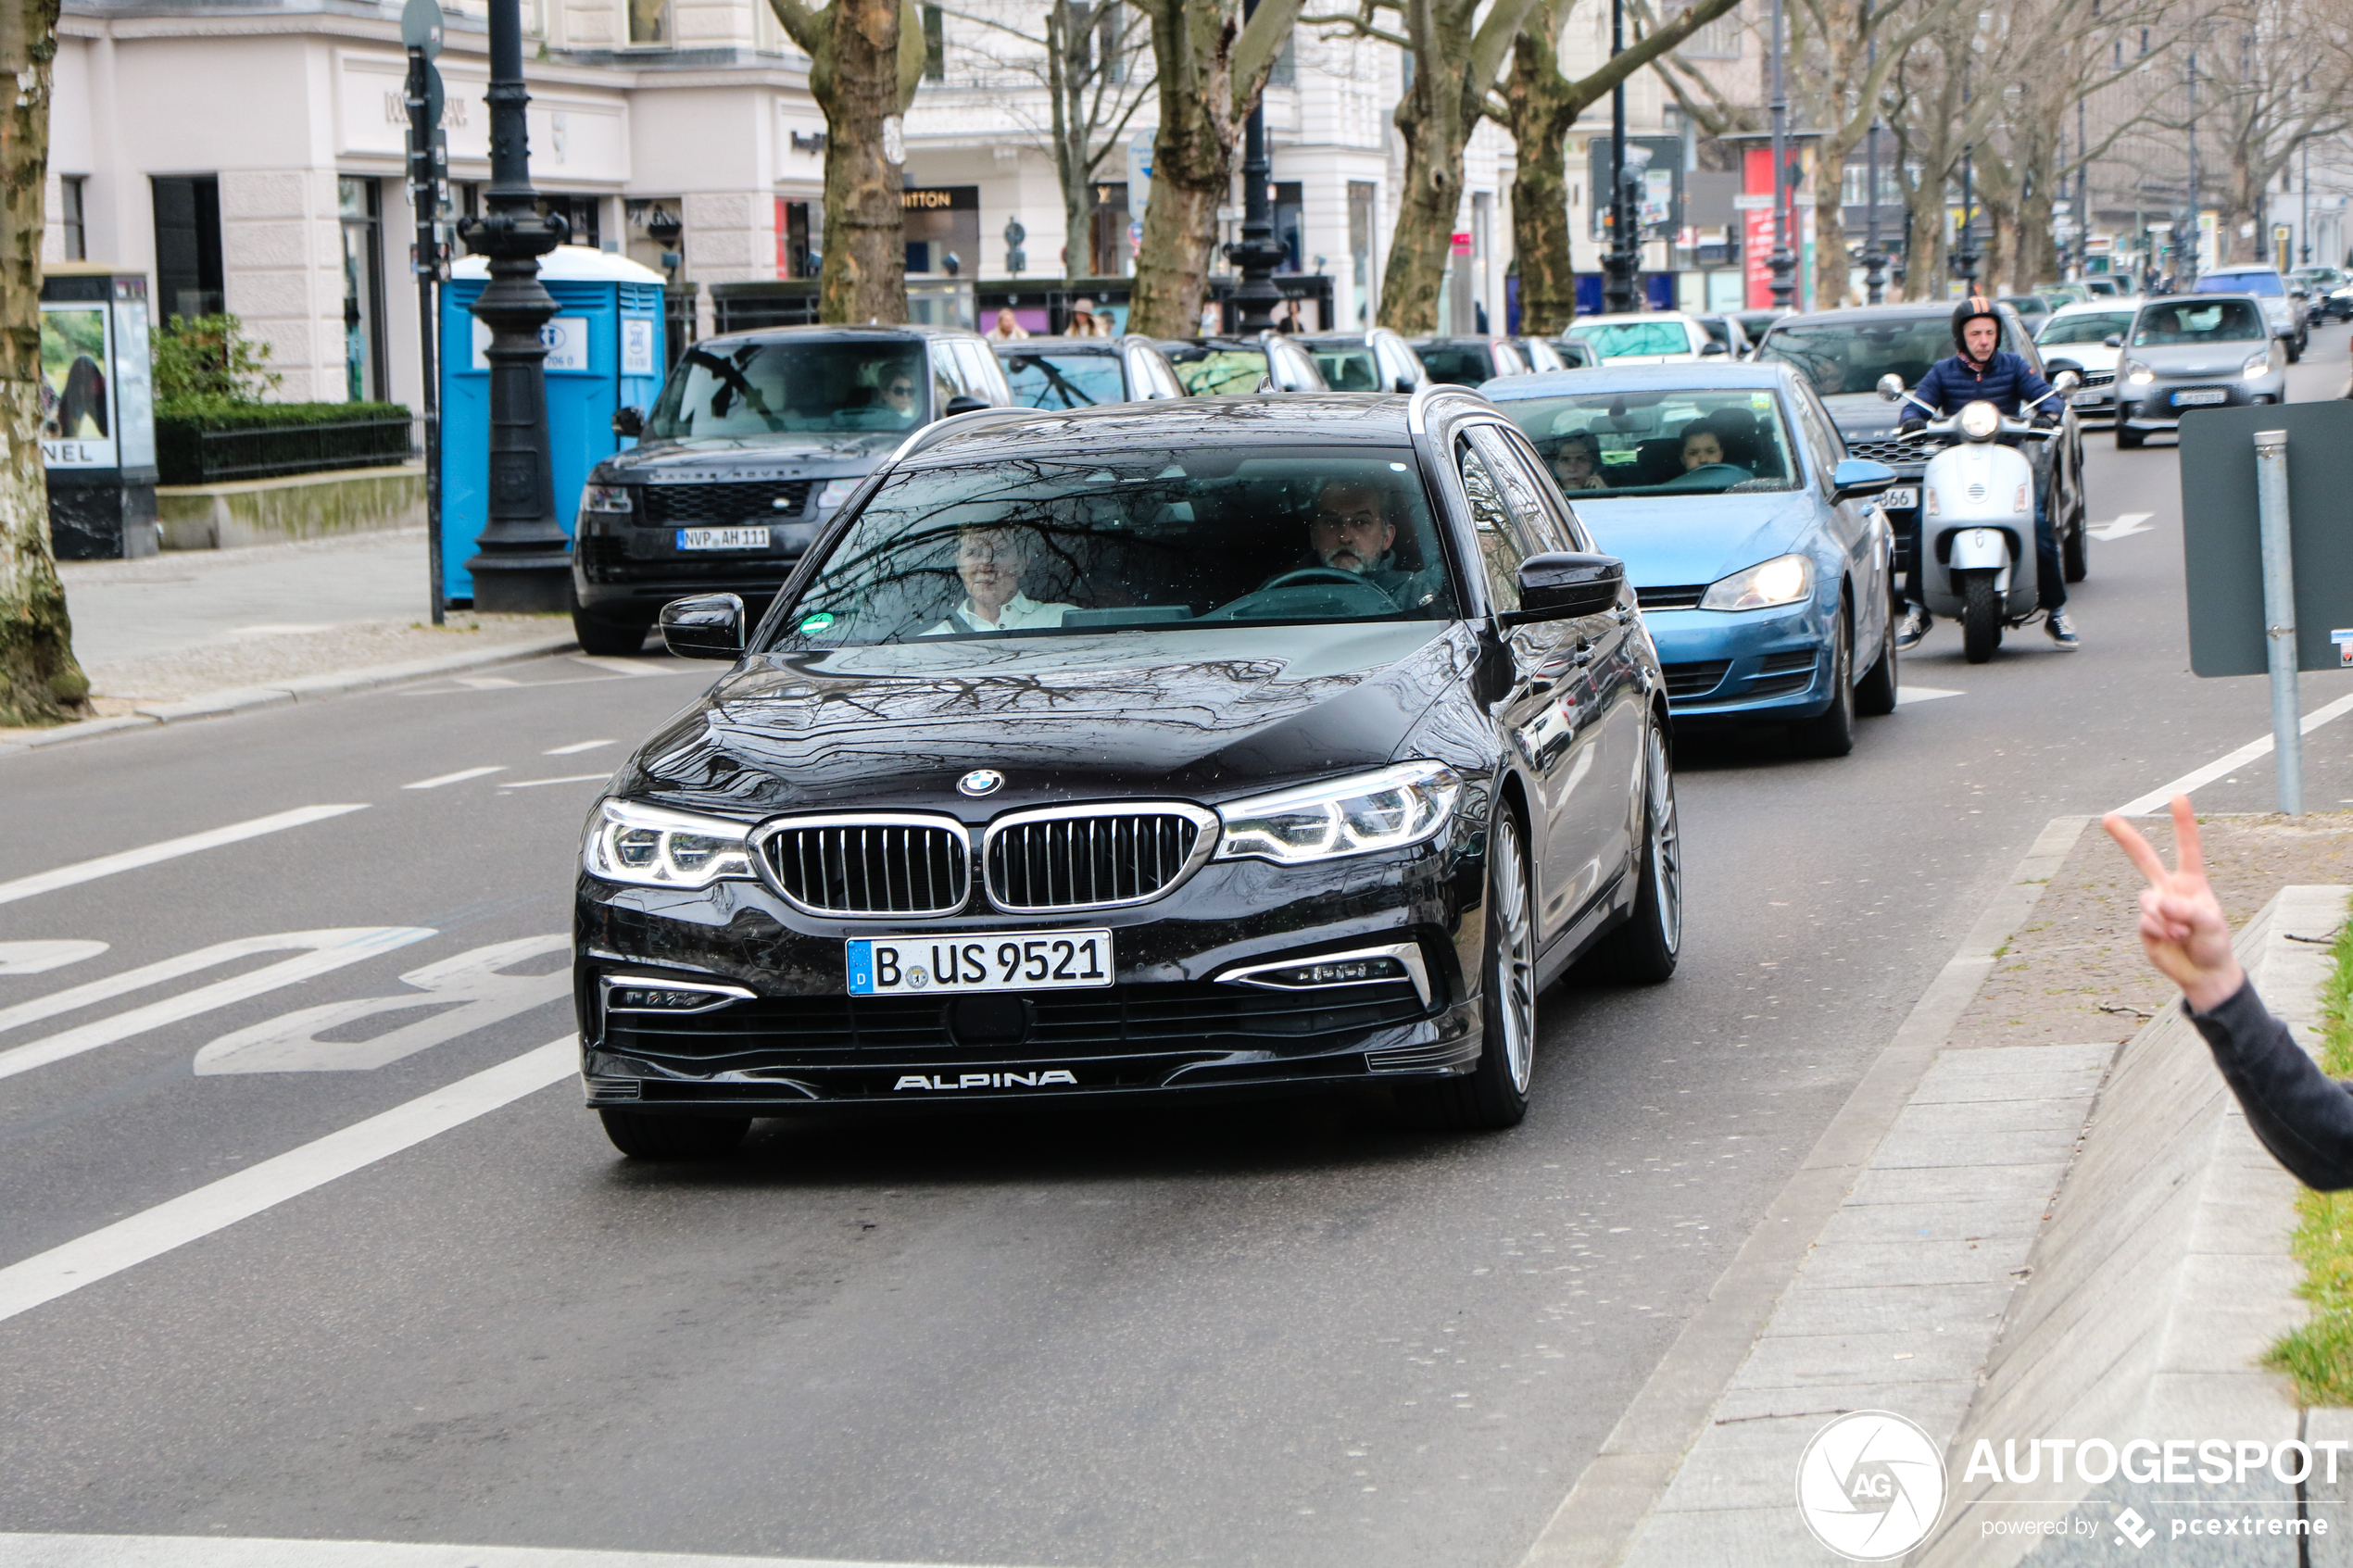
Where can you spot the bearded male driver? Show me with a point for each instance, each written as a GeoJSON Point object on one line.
{"type": "Point", "coordinates": [989, 562]}
{"type": "Point", "coordinates": [2304, 1117]}
{"type": "Point", "coordinates": [1979, 371]}
{"type": "Point", "coordinates": [1351, 531]}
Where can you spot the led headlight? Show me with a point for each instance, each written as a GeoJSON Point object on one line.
{"type": "Point", "coordinates": [1783, 580]}
{"type": "Point", "coordinates": [1388, 809]}
{"type": "Point", "coordinates": [655, 848]}
{"type": "Point", "coordinates": [836, 492]}
{"type": "Point", "coordinates": [2138, 373]}
{"type": "Point", "coordinates": [604, 498]}
{"type": "Point", "coordinates": [2256, 366]}
{"type": "Point", "coordinates": [1980, 421]}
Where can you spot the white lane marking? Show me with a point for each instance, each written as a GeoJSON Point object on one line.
{"type": "Point", "coordinates": [2156, 799]}
{"type": "Point", "coordinates": [329, 950]}
{"type": "Point", "coordinates": [486, 683]}
{"type": "Point", "coordinates": [194, 1215]}
{"type": "Point", "coordinates": [1923, 694]}
{"type": "Point", "coordinates": [39, 957]}
{"type": "Point", "coordinates": [569, 778]}
{"type": "Point", "coordinates": [466, 993]}
{"type": "Point", "coordinates": [2123, 524]}
{"type": "Point", "coordinates": [171, 848]}
{"type": "Point", "coordinates": [282, 629]}
{"type": "Point", "coordinates": [620, 666]}
{"type": "Point", "coordinates": [578, 746]}
{"type": "Point", "coordinates": [214, 1552]}
{"type": "Point", "coordinates": [460, 776]}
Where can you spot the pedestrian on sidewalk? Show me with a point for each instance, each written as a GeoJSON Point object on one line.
{"type": "Point", "coordinates": [2304, 1117]}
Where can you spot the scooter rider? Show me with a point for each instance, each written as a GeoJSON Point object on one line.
{"type": "Point", "coordinates": [1980, 372]}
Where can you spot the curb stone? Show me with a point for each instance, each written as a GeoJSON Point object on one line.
{"type": "Point", "coordinates": [306, 689]}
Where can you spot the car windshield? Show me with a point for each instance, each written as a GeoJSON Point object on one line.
{"type": "Point", "coordinates": [1659, 443]}
{"type": "Point", "coordinates": [1851, 356]}
{"type": "Point", "coordinates": [2268, 285]}
{"type": "Point", "coordinates": [1457, 364]}
{"type": "Point", "coordinates": [1064, 380]}
{"type": "Point", "coordinates": [1347, 366]}
{"type": "Point", "coordinates": [1219, 372]}
{"type": "Point", "coordinates": [2092, 326]}
{"type": "Point", "coordinates": [2220, 320]}
{"type": "Point", "coordinates": [723, 388]}
{"type": "Point", "coordinates": [1620, 340]}
{"type": "Point", "coordinates": [1216, 536]}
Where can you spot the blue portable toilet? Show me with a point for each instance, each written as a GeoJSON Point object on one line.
{"type": "Point", "coordinates": [604, 352]}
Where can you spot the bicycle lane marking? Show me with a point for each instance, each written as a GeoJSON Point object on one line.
{"type": "Point", "coordinates": [171, 848]}
{"type": "Point", "coordinates": [2157, 799]}
{"type": "Point", "coordinates": [194, 1215]}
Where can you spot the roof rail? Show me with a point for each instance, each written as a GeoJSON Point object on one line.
{"type": "Point", "coordinates": [1418, 408]}
{"type": "Point", "coordinates": [955, 424]}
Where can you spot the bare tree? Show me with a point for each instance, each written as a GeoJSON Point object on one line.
{"type": "Point", "coordinates": [1093, 62]}
{"type": "Point", "coordinates": [865, 62]}
{"type": "Point", "coordinates": [1212, 68]}
{"type": "Point", "coordinates": [1538, 104]}
{"type": "Point", "coordinates": [40, 682]}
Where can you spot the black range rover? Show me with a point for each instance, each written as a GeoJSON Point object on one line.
{"type": "Point", "coordinates": [755, 441]}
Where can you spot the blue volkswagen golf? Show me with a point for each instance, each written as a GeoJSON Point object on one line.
{"type": "Point", "coordinates": [1762, 562]}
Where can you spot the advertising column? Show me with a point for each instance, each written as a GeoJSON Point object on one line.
{"type": "Point", "coordinates": [97, 413]}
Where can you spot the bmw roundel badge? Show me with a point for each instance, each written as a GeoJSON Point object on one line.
{"type": "Point", "coordinates": [981, 781]}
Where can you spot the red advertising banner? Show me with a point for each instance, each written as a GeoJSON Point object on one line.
{"type": "Point", "coordinates": [1756, 255]}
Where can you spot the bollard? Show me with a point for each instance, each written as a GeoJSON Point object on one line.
{"type": "Point", "coordinates": [2278, 617]}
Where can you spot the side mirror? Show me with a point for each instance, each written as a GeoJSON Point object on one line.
{"type": "Point", "coordinates": [964, 403]}
{"type": "Point", "coordinates": [628, 423]}
{"type": "Point", "coordinates": [1404, 382]}
{"type": "Point", "coordinates": [1856, 477]}
{"type": "Point", "coordinates": [2067, 379]}
{"type": "Point", "coordinates": [1891, 386]}
{"type": "Point", "coordinates": [1559, 587]}
{"type": "Point", "coordinates": [1712, 346]}
{"type": "Point", "coordinates": [706, 626]}
{"type": "Point", "coordinates": [2114, 339]}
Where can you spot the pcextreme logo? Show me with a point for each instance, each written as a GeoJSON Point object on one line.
{"type": "Point", "coordinates": [1871, 1486]}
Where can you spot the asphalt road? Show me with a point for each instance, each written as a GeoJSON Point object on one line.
{"type": "Point", "coordinates": [1295, 1335]}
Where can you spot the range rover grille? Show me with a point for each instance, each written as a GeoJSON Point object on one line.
{"type": "Point", "coordinates": [1092, 857]}
{"type": "Point", "coordinates": [726, 505]}
{"type": "Point", "coordinates": [880, 864]}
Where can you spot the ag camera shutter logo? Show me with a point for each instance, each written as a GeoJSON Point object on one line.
{"type": "Point", "coordinates": [1871, 1486]}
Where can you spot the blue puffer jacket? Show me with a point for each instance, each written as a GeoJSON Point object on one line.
{"type": "Point", "coordinates": [2006, 380]}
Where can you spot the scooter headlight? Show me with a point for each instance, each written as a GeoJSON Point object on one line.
{"type": "Point", "coordinates": [1980, 421]}
{"type": "Point", "coordinates": [1782, 581]}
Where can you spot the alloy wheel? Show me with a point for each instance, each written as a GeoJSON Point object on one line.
{"type": "Point", "coordinates": [1515, 955]}
{"type": "Point", "coordinates": [1667, 847]}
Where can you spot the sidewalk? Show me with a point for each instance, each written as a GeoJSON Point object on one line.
{"type": "Point", "coordinates": [195, 632]}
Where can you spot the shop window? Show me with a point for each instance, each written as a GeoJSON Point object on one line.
{"type": "Point", "coordinates": [1285, 71]}
{"type": "Point", "coordinates": [582, 213]}
{"type": "Point", "coordinates": [363, 295]}
{"type": "Point", "coordinates": [797, 254]}
{"type": "Point", "coordinates": [188, 274]}
{"type": "Point", "coordinates": [1108, 250]}
{"type": "Point", "coordinates": [1286, 225]}
{"type": "Point", "coordinates": [70, 193]}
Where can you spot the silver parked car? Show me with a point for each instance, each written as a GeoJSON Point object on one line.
{"type": "Point", "coordinates": [2195, 351]}
{"type": "Point", "coordinates": [1375, 361]}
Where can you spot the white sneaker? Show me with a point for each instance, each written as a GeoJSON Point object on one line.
{"type": "Point", "coordinates": [1916, 624]}
{"type": "Point", "coordinates": [2062, 630]}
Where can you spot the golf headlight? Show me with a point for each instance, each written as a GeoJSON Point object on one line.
{"type": "Point", "coordinates": [604, 498]}
{"type": "Point", "coordinates": [1388, 810]}
{"type": "Point", "coordinates": [2138, 373]}
{"type": "Point", "coordinates": [2259, 365]}
{"type": "Point", "coordinates": [654, 848]}
{"type": "Point", "coordinates": [1782, 581]}
{"type": "Point", "coordinates": [836, 492]}
{"type": "Point", "coordinates": [1980, 421]}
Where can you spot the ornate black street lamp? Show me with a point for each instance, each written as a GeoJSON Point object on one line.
{"type": "Point", "coordinates": [1257, 253]}
{"type": "Point", "coordinates": [1621, 267]}
{"type": "Point", "coordinates": [1874, 259]}
{"type": "Point", "coordinates": [1782, 262]}
{"type": "Point", "coordinates": [523, 565]}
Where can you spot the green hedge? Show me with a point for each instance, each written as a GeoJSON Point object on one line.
{"type": "Point", "coordinates": [266, 440]}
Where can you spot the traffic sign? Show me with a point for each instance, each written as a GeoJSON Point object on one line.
{"type": "Point", "coordinates": [421, 26]}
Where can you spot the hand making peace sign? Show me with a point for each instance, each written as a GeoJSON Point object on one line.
{"type": "Point", "coordinates": [2181, 923]}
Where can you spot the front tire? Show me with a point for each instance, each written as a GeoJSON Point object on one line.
{"type": "Point", "coordinates": [1981, 618]}
{"type": "Point", "coordinates": [643, 1136]}
{"type": "Point", "coordinates": [608, 638]}
{"type": "Point", "coordinates": [2127, 440]}
{"type": "Point", "coordinates": [1832, 734]}
{"type": "Point", "coordinates": [2074, 561]}
{"type": "Point", "coordinates": [1877, 693]}
{"type": "Point", "coordinates": [1494, 1095]}
{"type": "Point", "coordinates": [1643, 950]}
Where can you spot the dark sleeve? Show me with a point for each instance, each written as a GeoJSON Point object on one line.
{"type": "Point", "coordinates": [1931, 391]}
{"type": "Point", "coordinates": [2031, 386]}
{"type": "Point", "coordinates": [2304, 1117]}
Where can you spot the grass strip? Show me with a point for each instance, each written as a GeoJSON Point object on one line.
{"type": "Point", "coordinates": [2320, 1355]}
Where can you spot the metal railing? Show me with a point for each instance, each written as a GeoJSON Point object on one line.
{"type": "Point", "coordinates": [270, 451]}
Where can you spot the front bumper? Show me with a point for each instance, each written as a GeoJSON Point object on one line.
{"type": "Point", "coordinates": [1767, 665]}
{"type": "Point", "coordinates": [625, 571]}
{"type": "Point", "coordinates": [2153, 405]}
{"type": "Point", "coordinates": [1169, 1023]}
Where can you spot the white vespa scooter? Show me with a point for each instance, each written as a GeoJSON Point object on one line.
{"type": "Point", "coordinates": [1977, 517]}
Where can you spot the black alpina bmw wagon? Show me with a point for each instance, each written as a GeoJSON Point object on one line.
{"type": "Point", "coordinates": [1222, 745]}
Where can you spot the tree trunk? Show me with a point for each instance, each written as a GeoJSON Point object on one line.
{"type": "Point", "coordinates": [1830, 268]}
{"type": "Point", "coordinates": [1070, 150]}
{"type": "Point", "coordinates": [40, 682]}
{"type": "Point", "coordinates": [1430, 197]}
{"type": "Point", "coordinates": [1193, 166]}
{"type": "Point", "coordinates": [1924, 267]}
{"type": "Point", "coordinates": [865, 61]}
{"type": "Point", "coordinates": [1541, 239]}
